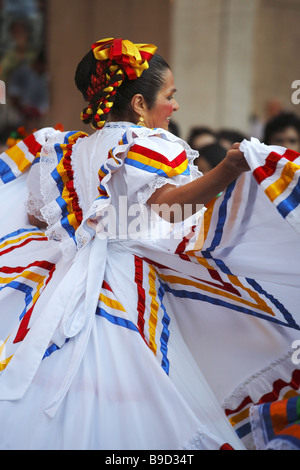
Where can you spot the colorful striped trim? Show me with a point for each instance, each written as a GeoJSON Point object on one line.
{"type": "Point", "coordinates": [116, 320]}
{"type": "Point", "coordinates": [18, 158]}
{"type": "Point", "coordinates": [63, 175]}
{"type": "Point", "coordinates": [102, 173]}
{"type": "Point", "coordinates": [280, 423]}
{"type": "Point", "coordinates": [20, 238]}
{"type": "Point", "coordinates": [154, 162]}
{"type": "Point", "coordinates": [239, 294]}
{"type": "Point", "coordinates": [284, 191]}
{"type": "Point", "coordinates": [144, 159]}
{"type": "Point", "coordinates": [270, 166]}
{"type": "Point", "coordinates": [112, 310]}
{"type": "Point", "coordinates": [281, 390]}
{"type": "Point", "coordinates": [153, 320]}
{"type": "Point", "coordinates": [30, 281]}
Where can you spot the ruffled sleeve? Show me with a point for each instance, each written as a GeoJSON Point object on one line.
{"type": "Point", "coordinates": [150, 159]}
{"type": "Point", "coordinates": [154, 160]}
{"type": "Point", "coordinates": [34, 201]}
{"type": "Point", "coordinates": [144, 160]}
{"type": "Point", "coordinates": [52, 195]}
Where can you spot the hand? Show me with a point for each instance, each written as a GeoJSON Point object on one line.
{"type": "Point", "coordinates": [235, 160]}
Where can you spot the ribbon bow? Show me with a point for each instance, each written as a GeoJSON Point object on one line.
{"type": "Point", "coordinates": [133, 58]}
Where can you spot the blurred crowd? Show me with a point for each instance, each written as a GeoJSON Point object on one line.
{"type": "Point", "coordinates": [23, 66]}
{"type": "Point", "coordinates": [282, 127]}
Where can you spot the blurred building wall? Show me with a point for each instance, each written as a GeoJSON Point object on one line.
{"type": "Point", "coordinates": [229, 57]}
{"type": "Point", "coordinates": [74, 25]}
{"type": "Point", "coordinates": [276, 56]}
{"type": "Point", "coordinates": [212, 61]}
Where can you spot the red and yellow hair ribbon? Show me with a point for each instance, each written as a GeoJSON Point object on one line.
{"type": "Point", "coordinates": [133, 58]}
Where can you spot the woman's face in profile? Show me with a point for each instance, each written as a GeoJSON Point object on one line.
{"type": "Point", "coordinates": [288, 138]}
{"type": "Point", "coordinates": [165, 104]}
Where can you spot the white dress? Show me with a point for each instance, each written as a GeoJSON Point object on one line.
{"type": "Point", "coordinates": [122, 331]}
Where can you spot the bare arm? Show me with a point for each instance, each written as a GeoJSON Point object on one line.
{"type": "Point", "coordinates": [204, 189]}
{"type": "Point", "coordinates": [37, 222]}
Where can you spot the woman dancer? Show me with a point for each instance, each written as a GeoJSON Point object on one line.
{"type": "Point", "coordinates": [105, 354]}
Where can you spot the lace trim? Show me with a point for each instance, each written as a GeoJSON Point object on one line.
{"type": "Point", "coordinates": [117, 125]}
{"type": "Point", "coordinates": [86, 232]}
{"type": "Point", "coordinates": [257, 432]}
{"type": "Point", "coordinates": [256, 386]}
{"type": "Point", "coordinates": [280, 444]}
{"type": "Point", "coordinates": [48, 161]}
{"type": "Point", "coordinates": [202, 439]}
{"type": "Point", "coordinates": [51, 211]}
{"type": "Point", "coordinates": [282, 367]}
{"type": "Point", "coordinates": [157, 183]}
{"type": "Point", "coordinates": [33, 206]}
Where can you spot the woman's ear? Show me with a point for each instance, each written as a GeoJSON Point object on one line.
{"type": "Point", "coordinates": [138, 104]}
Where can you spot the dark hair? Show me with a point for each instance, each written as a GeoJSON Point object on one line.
{"type": "Point", "coordinates": [197, 131]}
{"type": "Point", "coordinates": [213, 153]}
{"type": "Point", "coordinates": [279, 123]}
{"type": "Point", "coordinates": [148, 85]}
{"type": "Point", "coordinates": [231, 135]}
{"type": "Point", "coordinates": [85, 69]}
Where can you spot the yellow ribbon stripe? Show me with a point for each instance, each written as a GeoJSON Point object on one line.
{"type": "Point", "coordinates": [34, 277]}
{"type": "Point", "coordinates": [4, 362]}
{"type": "Point", "coordinates": [129, 54]}
{"type": "Point", "coordinates": [280, 185]}
{"type": "Point", "coordinates": [17, 240]}
{"type": "Point", "coordinates": [153, 309]}
{"type": "Point", "coordinates": [18, 157]}
{"type": "Point", "coordinates": [241, 416]}
{"type": "Point", "coordinates": [169, 171]}
{"type": "Point", "coordinates": [259, 303]}
{"type": "Point", "coordinates": [114, 304]}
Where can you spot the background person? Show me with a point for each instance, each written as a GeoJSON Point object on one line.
{"type": "Point", "coordinates": [199, 136]}
{"type": "Point", "coordinates": [283, 130]}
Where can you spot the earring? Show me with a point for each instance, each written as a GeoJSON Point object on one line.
{"type": "Point", "coordinates": [141, 122]}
